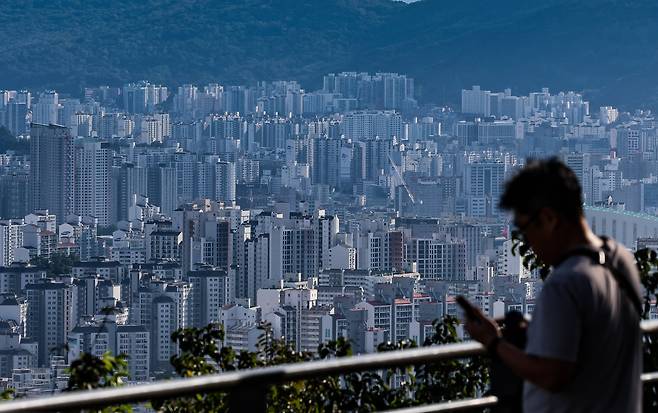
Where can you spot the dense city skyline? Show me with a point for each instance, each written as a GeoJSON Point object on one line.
{"type": "Point", "coordinates": [320, 177]}
{"type": "Point", "coordinates": [347, 211]}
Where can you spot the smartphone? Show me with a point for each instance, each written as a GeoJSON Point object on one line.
{"type": "Point", "coordinates": [468, 308]}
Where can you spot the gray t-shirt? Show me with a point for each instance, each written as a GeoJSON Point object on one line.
{"type": "Point", "coordinates": [582, 316]}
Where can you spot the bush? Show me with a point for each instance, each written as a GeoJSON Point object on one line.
{"type": "Point", "coordinates": [92, 372]}
{"type": "Point", "coordinates": [364, 391]}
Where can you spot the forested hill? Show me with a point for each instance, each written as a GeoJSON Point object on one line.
{"type": "Point", "coordinates": [605, 48]}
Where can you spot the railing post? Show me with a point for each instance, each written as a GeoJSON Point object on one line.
{"type": "Point", "coordinates": [249, 398]}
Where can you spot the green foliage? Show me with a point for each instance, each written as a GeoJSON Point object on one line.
{"type": "Point", "coordinates": [364, 391]}
{"type": "Point", "coordinates": [8, 142]}
{"type": "Point", "coordinates": [58, 263]}
{"type": "Point", "coordinates": [106, 230]}
{"type": "Point", "coordinates": [7, 394]}
{"type": "Point", "coordinates": [647, 263]}
{"type": "Point", "coordinates": [91, 372]}
{"type": "Point", "coordinates": [530, 260]}
{"type": "Point", "coordinates": [201, 353]}
{"type": "Point", "coordinates": [247, 40]}
{"type": "Point", "coordinates": [450, 379]}
{"type": "Point", "coordinates": [206, 40]}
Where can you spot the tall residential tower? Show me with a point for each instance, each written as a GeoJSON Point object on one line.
{"type": "Point", "coordinates": [52, 170]}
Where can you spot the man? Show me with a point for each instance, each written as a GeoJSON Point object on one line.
{"type": "Point", "coordinates": [584, 347]}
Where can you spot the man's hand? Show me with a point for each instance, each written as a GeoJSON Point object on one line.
{"type": "Point", "coordinates": [481, 327]}
{"type": "Point", "coordinates": [549, 374]}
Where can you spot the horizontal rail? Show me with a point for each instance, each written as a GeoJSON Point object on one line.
{"type": "Point", "coordinates": [649, 326]}
{"type": "Point", "coordinates": [650, 377]}
{"type": "Point", "coordinates": [480, 403]}
{"type": "Point", "coordinates": [225, 381]}
{"type": "Point", "coordinates": [168, 389]}
{"type": "Point", "coordinates": [451, 406]}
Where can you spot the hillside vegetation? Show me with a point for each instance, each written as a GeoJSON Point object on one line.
{"type": "Point", "coordinates": [605, 48]}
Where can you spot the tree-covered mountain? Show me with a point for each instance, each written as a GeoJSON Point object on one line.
{"type": "Point", "coordinates": [605, 48]}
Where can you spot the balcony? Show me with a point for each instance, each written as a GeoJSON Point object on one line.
{"type": "Point", "coordinates": [243, 385]}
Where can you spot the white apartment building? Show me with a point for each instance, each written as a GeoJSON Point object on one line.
{"type": "Point", "coordinates": [128, 248]}
{"type": "Point", "coordinates": [135, 342]}
{"type": "Point", "coordinates": [211, 291]}
{"type": "Point", "coordinates": [45, 110]}
{"type": "Point", "coordinates": [509, 264]}
{"type": "Point", "coordinates": [11, 238]}
{"type": "Point", "coordinates": [476, 101]}
{"type": "Point", "coordinates": [362, 125]}
{"type": "Point", "coordinates": [165, 244]}
{"type": "Point", "coordinates": [437, 258]}
{"type": "Point", "coordinates": [50, 316]}
{"type": "Point", "coordinates": [93, 180]}
{"type": "Point", "coordinates": [483, 186]}
{"type": "Point", "coordinates": [130, 340]}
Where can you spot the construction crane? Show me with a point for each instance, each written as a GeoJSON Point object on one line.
{"type": "Point", "coordinates": [404, 184]}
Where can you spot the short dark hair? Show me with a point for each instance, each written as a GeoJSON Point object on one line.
{"type": "Point", "coordinates": [544, 183]}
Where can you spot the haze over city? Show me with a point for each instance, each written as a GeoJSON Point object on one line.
{"type": "Point", "coordinates": [298, 173]}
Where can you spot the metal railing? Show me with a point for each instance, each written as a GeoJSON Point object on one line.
{"type": "Point", "coordinates": [452, 406]}
{"type": "Point", "coordinates": [247, 380]}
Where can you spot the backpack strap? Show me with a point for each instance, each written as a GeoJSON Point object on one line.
{"type": "Point", "coordinates": [602, 257]}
